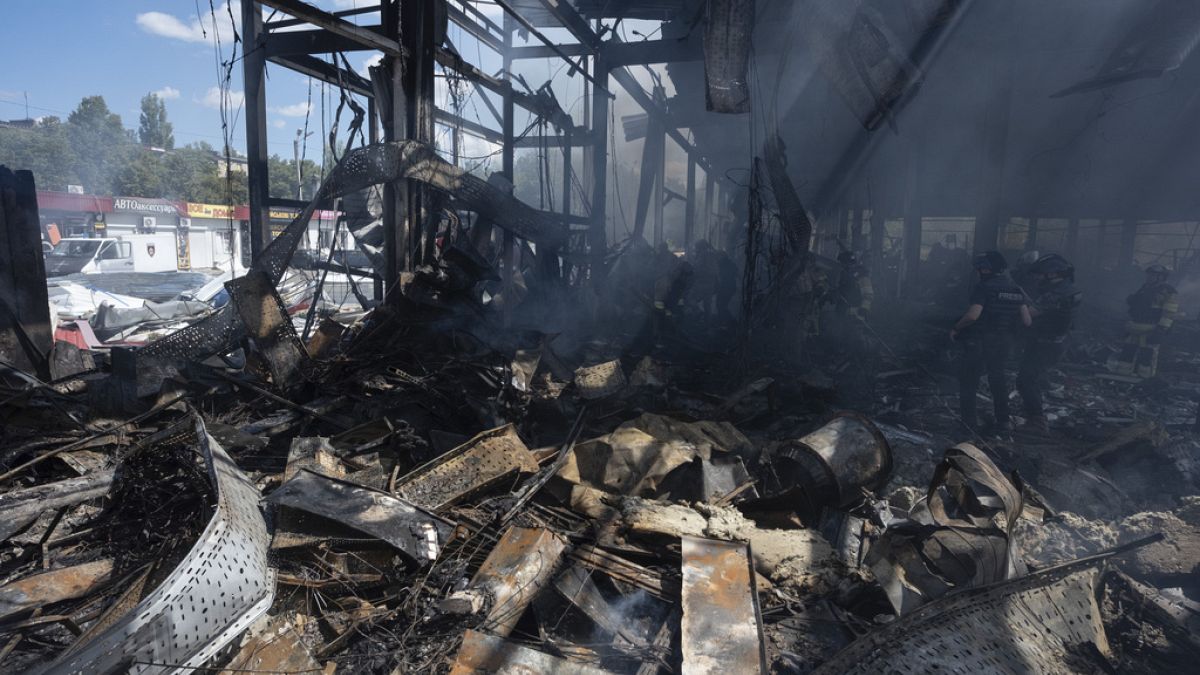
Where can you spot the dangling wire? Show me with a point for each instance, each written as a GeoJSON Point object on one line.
{"type": "Point", "coordinates": [224, 71]}
{"type": "Point", "coordinates": [304, 138]}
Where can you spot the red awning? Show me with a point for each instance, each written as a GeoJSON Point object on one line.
{"type": "Point", "coordinates": [68, 201]}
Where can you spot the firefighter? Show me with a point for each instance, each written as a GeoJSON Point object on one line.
{"type": "Point", "coordinates": [1023, 273]}
{"type": "Point", "coordinates": [1053, 313]}
{"type": "Point", "coordinates": [813, 289]}
{"type": "Point", "coordinates": [727, 285]}
{"type": "Point", "coordinates": [996, 312]}
{"type": "Point", "coordinates": [714, 280]}
{"type": "Point", "coordinates": [851, 299]}
{"type": "Point", "coordinates": [1152, 310]}
{"type": "Point", "coordinates": [854, 291]}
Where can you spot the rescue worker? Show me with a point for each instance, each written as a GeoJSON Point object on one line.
{"type": "Point", "coordinates": [996, 312]}
{"type": "Point", "coordinates": [854, 291]}
{"type": "Point", "coordinates": [670, 287]}
{"type": "Point", "coordinates": [727, 285]}
{"type": "Point", "coordinates": [851, 300]}
{"type": "Point", "coordinates": [714, 279]}
{"type": "Point", "coordinates": [1023, 273]}
{"type": "Point", "coordinates": [1053, 313]}
{"type": "Point", "coordinates": [813, 290]}
{"type": "Point", "coordinates": [1152, 311]}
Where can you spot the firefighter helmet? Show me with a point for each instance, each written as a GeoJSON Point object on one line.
{"type": "Point", "coordinates": [1052, 263]}
{"type": "Point", "coordinates": [993, 261]}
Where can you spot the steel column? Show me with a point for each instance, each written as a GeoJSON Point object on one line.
{"type": "Point", "coordinates": [597, 235]}
{"type": "Point", "coordinates": [689, 218]}
{"type": "Point", "coordinates": [254, 66]}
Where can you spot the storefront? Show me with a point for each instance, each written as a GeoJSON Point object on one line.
{"type": "Point", "coordinates": [73, 215]}
{"type": "Point", "coordinates": [206, 236]}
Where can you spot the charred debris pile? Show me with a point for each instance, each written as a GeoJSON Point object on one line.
{"type": "Point", "coordinates": [453, 486]}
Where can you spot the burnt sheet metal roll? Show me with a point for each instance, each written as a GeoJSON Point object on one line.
{"type": "Point", "coordinates": [833, 465]}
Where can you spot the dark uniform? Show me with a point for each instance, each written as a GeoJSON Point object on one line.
{"type": "Point", "coordinates": [852, 299]}
{"type": "Point", "coordinates": [727, 284]}
{"type": "Point", "coordinates": [1056, 304]}
{"type": "Point", "coordinates": [987, 343]}
{"type": "Point", "coordinates": [1152, 311]}
{"type": "Point", "coordinates": [854, 292]}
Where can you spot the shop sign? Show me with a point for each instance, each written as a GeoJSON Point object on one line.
{"type": "Point", "coordinates": [209, 211]}
{"type": "Point", "coordinates": [144, 206]}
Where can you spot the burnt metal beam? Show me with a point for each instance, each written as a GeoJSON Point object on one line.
{"type": "Point", "coordinates": [689, 218]}
{"type": "Point", "coordinates": [325, 72]}
{"type": "Point", "coordinates": [710, 192]}
{"type": "Point", "coordinates": [337, 25]}
{"type": "Point", "coordinates": [652, 151]}
{"type": "Point", "coordinates": [574, 139]}
{"type": "Point", "coordinates": [622, 53]}
{"type": "Point", "coordinates": [451, 120]}
{"type": "Point", "coordinates": [484, 19]}
{"type": "Point", "coordinates": [456, 63]}
{"type": "Point", "coordinates": [574, 67]}
{"type": "Point", "coordinates": [654, 51]}
{"type": "Point", "coordinates": [254, 68]}
{"type": "Point", "coordinates": [597, 233]}
{"type": "Point", "coordinates": [657, 110]}
{"type": "Point", "coordinates": [474, 29]}
{"type": "Point", "coordinates": [284, 23]}
{"type": "Point", "coordinates": [316, 41]}
{"type": "Point", "coordinates": [573, 22]}
{"type": "Point", "coordinates": [544, 52]}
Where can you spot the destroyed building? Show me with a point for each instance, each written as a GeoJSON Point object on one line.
{"type": "Point", "coordinates": [730, 429]}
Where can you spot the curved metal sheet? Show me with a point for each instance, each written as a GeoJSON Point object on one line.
{"type": "Point", "coordinates": [222, 586]}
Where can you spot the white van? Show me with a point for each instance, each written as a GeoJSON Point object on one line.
{"type": "Point", "coordinates": [131, 253]}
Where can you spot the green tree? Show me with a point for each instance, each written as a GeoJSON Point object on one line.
{"type": "Point", "coordinates": [44, 149]}
{"type": "Point", "coordinates": [142, 175]}
{"type": "Point", "coordinates": [195, 173]}
{"type": "Point", "coordinates": [100, 143]}
{"type": "Point", "coordinates": [153, 128]}
{"type": "Point", "coordinates": [281, 177]}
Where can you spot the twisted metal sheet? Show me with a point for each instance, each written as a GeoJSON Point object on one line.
{"type": "Point", "coordinates": [360, 169]}
{"type": "Point", "coordinates": [222, 586]}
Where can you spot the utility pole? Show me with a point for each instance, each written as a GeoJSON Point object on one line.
{"type": "Point", "coordinates": [300, 135]}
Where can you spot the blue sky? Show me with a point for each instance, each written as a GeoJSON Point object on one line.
{"type": "Point", "coordinates": [123, 49]}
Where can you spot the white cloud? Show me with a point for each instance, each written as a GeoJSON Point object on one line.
{"type": "Point", "coordinates": [368, 62]}
{"type": "Point", "coordinates": [294, 110]}
{"type": "Point", "coordinates": [158, 23]}
{"type": "Point", "coordinates": [279, 124]}
{"type": "Point", "coordinates": [167, 92]}
{"type": "Point", "coordinates": [194, 28]}
{"type": "Point", "coordinates": [212, 98]}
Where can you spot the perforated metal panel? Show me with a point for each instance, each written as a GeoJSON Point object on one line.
{"type": "Point", "coordinates": [475, 465]}
{"type": "Point", "coordinates": [1028, 625]}
{"type": "Point", "coordinates": [266, 321]}
{"type": "Point", "coordinates": [600, 380]}
{"type": "Point", "coordinates": [221, 587]}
